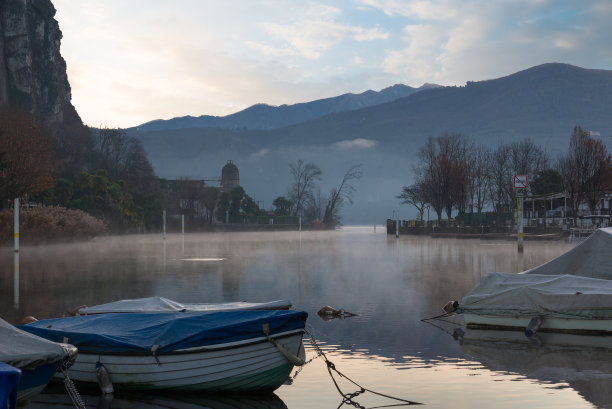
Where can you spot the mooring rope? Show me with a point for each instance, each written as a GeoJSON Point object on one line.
{"type": "Point", "coordinates": [347, 398]}
{"type": "Point", "coordinates": [446, 314]}
{"type": "Point", "coordinates": [72, 390]}
{"type": "Point", "coordinates": [289, 356]}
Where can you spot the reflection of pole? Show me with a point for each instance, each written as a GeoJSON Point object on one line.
{"type": "Point", "coordinates": [164, 218]}
{"type": "Point", "coordinates": [300, 223]}
{"type": "Point", "coordinates": [164, 257]}
{"type": "Point", "coordinates": [16, 275]}
{"type": "Point", "coordinates": [16, 213]}
{"type": "Point", "coordinates": [396, 223]}
{"type": "Point", "coordinates": [227, 217]}
{"type": "Point", "coordinates": [519, 212]}
{"type": "Point", "coordinates": [183, 224]}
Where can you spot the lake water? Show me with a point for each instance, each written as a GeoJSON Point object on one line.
{"type": "Point", "coordinates": [391, 284]}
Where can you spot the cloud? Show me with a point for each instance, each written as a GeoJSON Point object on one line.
{"type": "Point", "coordinates": [312, 33]}
{"type": "Point", "coordinates": [131, 62]}
{"type": "Point", "coordinates": [359, 143]}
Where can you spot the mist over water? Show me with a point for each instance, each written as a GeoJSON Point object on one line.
{"type": "Point", "coordinates": [391, 284]}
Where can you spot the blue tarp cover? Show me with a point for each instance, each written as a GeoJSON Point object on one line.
{"type": "Point", "coordinates": [139, 333]}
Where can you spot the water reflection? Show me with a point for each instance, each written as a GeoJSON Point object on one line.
{"type": "Point", "coordinates": [582, 362]}
{"type": "Point", "coordinates": [55, 398]}
{"type": "Point", "coordinates": [391, 284]}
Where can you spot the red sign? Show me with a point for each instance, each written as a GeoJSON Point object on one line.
{"type": "Point", "coordinates": [520, 181]}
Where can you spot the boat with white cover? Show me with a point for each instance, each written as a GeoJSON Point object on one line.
{"type": "Point", "coordinates": [36, 357]}
{"type": "Point", "coordinates": [194, 351]}
{"type": "Point", "coordinates": [161, 304]}
{"type": "Point", "coordinates": [572, 293]}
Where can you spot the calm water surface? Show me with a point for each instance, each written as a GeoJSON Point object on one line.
{"type": "Point", "coordinates": [390, 283]}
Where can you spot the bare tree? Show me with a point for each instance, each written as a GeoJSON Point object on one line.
{"type": "Point", "coordinates": [413, 195]}
{"type": "Point", "coordinates": [500, 179]}
{"type": "Point", "coordinates": [443, 172]}
{"type": "Point", "coordinates": [305, 175]}
{"type": "Point", "coordinates": [586, 170]}
{"type": "Point", "coordinates": [477, 180]}
{"type": "Point", "coordinates": [527, 158]}
{"type": "Point", "coordinates": [340, 195]}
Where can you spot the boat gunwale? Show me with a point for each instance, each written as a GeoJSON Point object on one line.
{"type": "Point", "coordinates": [204, 348]}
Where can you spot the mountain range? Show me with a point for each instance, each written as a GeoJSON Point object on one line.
{"type": "Point", "coordinates": [382, 131]}
{"type": "Point", "coordinates": [263, 116]}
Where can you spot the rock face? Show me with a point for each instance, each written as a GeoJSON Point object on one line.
{"type": "Point", "coordinates": [32, 70]}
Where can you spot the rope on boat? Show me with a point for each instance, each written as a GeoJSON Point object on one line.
{"type": "Point", "coordinates": [446, 314]}
{"type": "Point", "coordinates": [347, 398]}
{"type": "Point", "coordinates": [72, 390]}
{"type": "Point", "coordinates": [294, 359]}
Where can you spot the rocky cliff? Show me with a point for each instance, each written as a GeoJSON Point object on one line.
{"type": "Point", "coordinates": [32, 70]}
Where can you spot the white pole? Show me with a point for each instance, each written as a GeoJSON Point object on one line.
{"type": "Point", "coordinates": [227, 217]}
{"type": "Point", "coordinates": [300, 223]}
{"type": "Point", "coordinates": [16, 282]}
{"type": "Point", "coordinates": [183, 224]}
{"type": "Point", "coordinates": [16, 213]}
{"type": "Point", "coordinates": [164, 232]}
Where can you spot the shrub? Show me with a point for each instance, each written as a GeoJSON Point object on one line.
{"type": "Point", "coordinates": [45, 224]}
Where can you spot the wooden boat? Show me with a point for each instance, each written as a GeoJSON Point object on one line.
{"type": "Point", "coordinates": [161, 304]}
{"type": "Point", "coordinates": [570, 294]}
{"type": "Point", "coordinates": [37, 358]}
{"type": "Point", "coordinates": [193, 351]}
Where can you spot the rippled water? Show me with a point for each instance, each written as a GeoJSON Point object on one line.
{"type": "Point", "coordinates": [391, 284]}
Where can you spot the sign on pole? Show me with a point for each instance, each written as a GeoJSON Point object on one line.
{"type": "Point", "coordinates": [520, 181]}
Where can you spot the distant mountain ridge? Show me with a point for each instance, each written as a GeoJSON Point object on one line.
{"type": "Point", "coordinates": [542, 103]}
{"type": "Point", "coordinates": [265, 117]}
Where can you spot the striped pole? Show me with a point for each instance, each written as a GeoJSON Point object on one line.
{"type": "Point", "coordinates": [16, 213]}
{"type": "Point", "coordinates": [16, 282]}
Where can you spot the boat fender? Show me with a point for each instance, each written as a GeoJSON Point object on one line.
{"type": "Point", "coordinates": [75, 310]}
{"type": "Point", "coordinates": [154, 349]}
{"type": "Point", "coordinates": [27, 320]}
{"type": "Point", "coordinates": [451, 306]}
{"type": "Point", "coordinates": [458, 334]}
{"type": "Point", "coordinates": [293, 359]}
{"type": "Point", "coordinates": [534, 325]}
{"type": "Point", "coordinates": [106, 386]}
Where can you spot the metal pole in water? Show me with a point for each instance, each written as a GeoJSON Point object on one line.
{"type": "Point", "coordinates": [300, 223]}
{"type": "Point", "coordinates": [164, 232]}
{"type": "Point", "coordinates": [519, 212]}
{"type": "Point", "coordinates": [16, 282]}
{"type": "Point", "coordinates": [16, 275]}
{"type": "Point", "coordinates": [183, 224]}
{"type": "Point", "coordinates": [16, 213]}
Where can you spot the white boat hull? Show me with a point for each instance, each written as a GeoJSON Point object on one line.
{"type": "Point", "coordinates": [565, 325]}
{"type": "Point", "coordinates": [249, 365]}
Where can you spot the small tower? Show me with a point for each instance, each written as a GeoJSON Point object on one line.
{"type": "Point", "coordinates": [229, 176]}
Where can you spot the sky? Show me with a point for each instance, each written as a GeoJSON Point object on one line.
{"type": "Point", "coordinates": [133, 61]}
